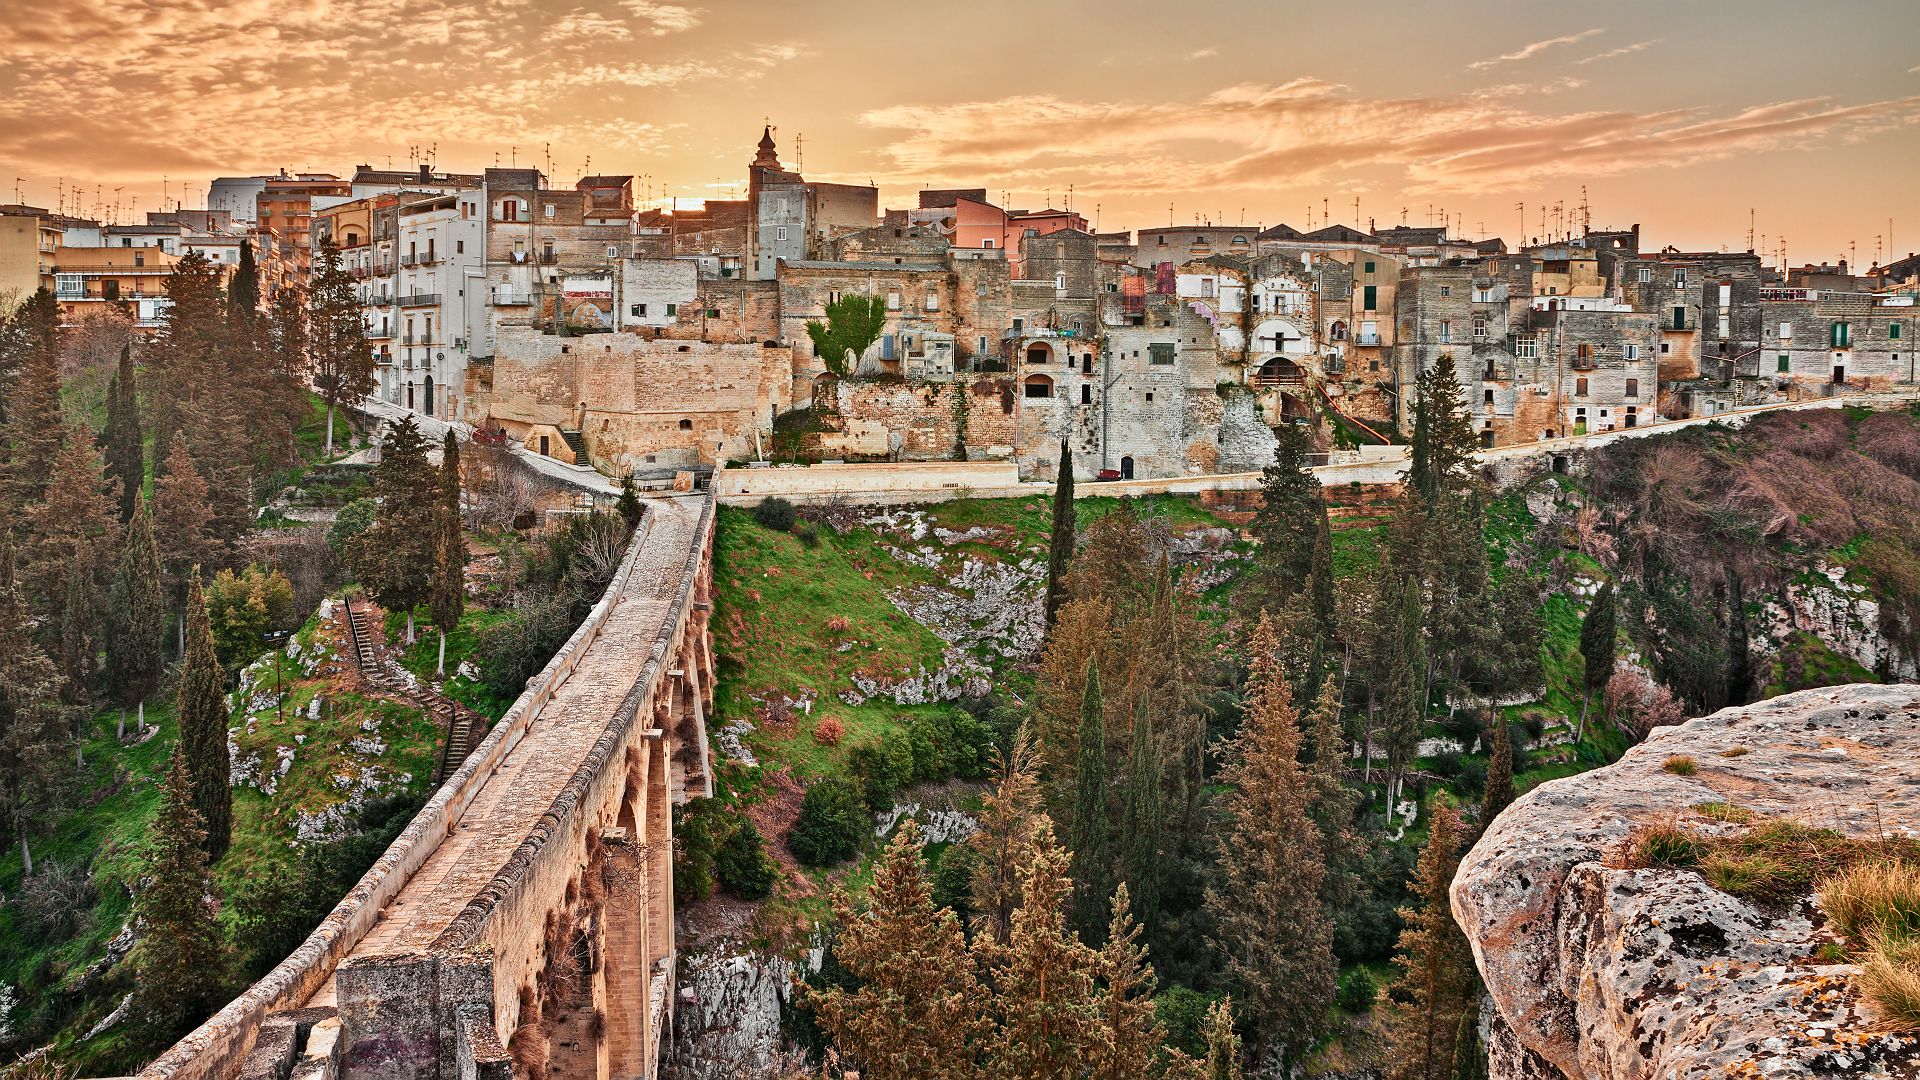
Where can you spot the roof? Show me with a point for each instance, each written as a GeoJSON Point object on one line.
{"type": "Point", "coordinates": [817, 264]}
{"type": "Point", "coordinates": [1282, 231]}
{"type": "Point", "coordinates": [605, 181]}
{"type": "Point", "coordinates": [1340, 233]}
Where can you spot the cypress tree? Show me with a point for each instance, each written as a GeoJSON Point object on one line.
{"type": "Point", "coordinates": [136, 611]}
{"type": "Point", "coordinates": [1270, 924]}
{"type": "Point", "coordinates": [1142, 829]}
{"type": "Point", "coordinates": [1065, 527]}
{"type": "Point", "coordinates": [1092, 827]}
{"type": "Point", "coordinates": [1599, 643]}
{"type": "Point", "coordinates": [179, 958]}
{"type": "Point", "coordinates": [1128, 1039]}
{"type": "Point", "coordinates": [189, 379]}
{"type": "Point", "coordinates": [121, 440]}
{"type": "Point", "coordinates": [1287, 523]}
{"type": "Point", "coordinates": [203, 725]}
{"type": "Point", "coordinates": [917, 1011]}
{"type": "Point", "coordinates": [1451, 443]}
{"type": "Point", "coordinates": [629, 504]}
{"type": "Point", "coordinates": [395, 558]}
{"type": "Point", "coordinates": [448, 597]}
{"type": "Point", "coordinates": [1403, 659]}
{"type": "Point", "coordinates": [243, 291]}
{"type": "Point", "coordinates": [1431, 1005]}
{"type": "Point", "coordinates": [1420, 480]}
{"type": "Point", "coordinates": [1499, 790]}
{"type": "Point", "coordinates": [181, 508]}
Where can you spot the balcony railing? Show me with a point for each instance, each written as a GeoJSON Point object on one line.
{"type": "Point", "coordinates": [511, 298]}
{"type": "Point", "coordinates": [548, 258]}
{"type": "Point", "coordinates": [1367, 339]}
{"type": "Point", "coordinates": [431, 258]}
{"type": "Point", "coordinates": [408, 259]}
{"type": "Point", "coordinates": [425, 299]}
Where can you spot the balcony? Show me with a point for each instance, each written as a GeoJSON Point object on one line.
{"type": "Point", "coordinates": [425, 299]}
{"type": "Point", "coordinates": [408, 259]}
{"type": "Point", "coordinates": [1367, 339]}
{"type": "Point", "coordinates": [548, 258]}
{"type": "Point", "coordinates": [431, 258]}
{"type": "Point", "coordinates": [512, 298]}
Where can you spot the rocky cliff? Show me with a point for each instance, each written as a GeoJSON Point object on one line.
{"type": "Point", "coordinates": [1596, 969]}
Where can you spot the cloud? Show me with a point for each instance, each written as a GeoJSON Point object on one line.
{"type": "Point", "coordinates": [1202, 54]}
{"type": "Point", "coordinates": [1534, 49]}
{"type": "Point", "coordinates": [663, 18]}
{"type": "Point", "coordinates": [1621, 51]}
{"type": "Point", "coordinates": [1259, 135]}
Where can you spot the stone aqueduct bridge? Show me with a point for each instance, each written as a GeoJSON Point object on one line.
{"type": "Point", "coordinates": [526, 914]}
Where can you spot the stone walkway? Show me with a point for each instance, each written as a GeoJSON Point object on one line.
{"type": "Point", "coordinates": [531, 776]}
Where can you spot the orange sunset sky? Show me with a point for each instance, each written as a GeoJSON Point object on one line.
{"type": "Point", "coordinates": [1681, 117]}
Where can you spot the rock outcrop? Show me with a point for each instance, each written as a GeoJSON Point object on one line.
{"type": "Point", "coordinates": [1596, 970]}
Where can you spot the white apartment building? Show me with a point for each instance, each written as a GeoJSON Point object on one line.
{"type": "Point", "coordinates": [437, 309]}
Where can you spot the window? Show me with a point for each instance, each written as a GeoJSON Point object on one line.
{"type": "Point", "coordinates": [1479, 326]}
{"type": "Point", "coordinates": [1584, 350]}
{"type": "Point", "coordinates": [1160, 352]}
{"type": "Point", "coordinates": [1060, 282]}
{"type": "Point", "coordinates": [713, 313]}
{"type": "Point", "coordinates": [1726, 327]}
{"type": "Point", "coordinates": [1633, 388]}
{"type": "Point", "coordinates": [1893, 331]}
{"type": "Point", "coordinates": [989, 243]}
{"type": "Point", "coordinates": [1666, 348]}
{"type": "Point", "coordinates": [1038, 386]}
{"type": "Point", "coordinates": [1726, 294]}
{"type": "Point", "coordinates": [1841, 335]}
{"type": "Point", "coordinates": [1339, 332]}
{"type": "Point", "coordinates": [1488, 396]}
{"type": "Point", "coordinates": [933, 300]}
{"type": "Point", "coordinates": [459, 247]}
{"type": "Point", "coordinates": [686, 425]}
{"type": "Point", "coordinates": [1527, 348]}
{"type": "Point", "coordinates": [1786, 331]}
{"type": "Point", "coordinates": [893, 300]}
{"type": "Point", "coordinates": [1086, 393]}
{"type": "Point", "coordinates": [1446, 332]}
{"type": "Point", "coordinates": [1645, 275]}
{"type": "Point", "coordinates": [548, 209]}
{"type": "Point", "coordinates": [1207, 287]}
{"type": "Point", "coordinates": [510, 209]}
{"type": "Point", "coordinates": [639, 310]}
{"type": "Point", "coordinates": [1370, 296]}
{"type": "Point", "coordinates": [1784, 363]}
{"type": "Point", "coordinates": [1679, 318]}
{"type": "Point", "coordinates": [886, 346]}
{"type": "Point", "coordinates": [1679, 279]}
{"type": "Point", "coordinates": [780, 232]}
{"type": "Point", "coordinates": [672, 310]}
{"type": "Point", "coordinates": [1446, 290]}
{"type": "Point", "coordinates": [1369, 267]}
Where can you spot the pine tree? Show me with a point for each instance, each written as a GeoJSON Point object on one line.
{"type": "Point", "coordinates": [1065, 526]}
{"type": "Point", "coordinates": [1599, 644]}
{"type": "Point", "coordinates": [917, 1012]}
{"type": "Point", "coordinates": [394, 559]}
{"type": "Point", "coordinates": [178, 958]}
{"type": "Point", "coordinates": [340, 358]}
{"type": "Point", "coordinates": [1333, 802]}
{"type": "Point", "coordinates": [203, 725]}
{"type": "Point", "coordinates": [1451, 443]}
{"type": "Point", "coordinates": [73, 538]}
{"type": "Point", "coordinates": [1430, 1007]}
{"type": "Point", "coordinates": [35, 430]}
{"type": "Point", "coordinates": [180, 512]}
{"type": "Point", "coordinates": [629, 505]}
{"type": "Point", "coordinates": [448, 595]}
{"type": "Point", "coordinates": [122, 440]}
{"type": "Point", "coordinates": [1223, 1043]}
{"type": "Point", "coordinates": [1499, 788]}
{"type": "Point", "coordinates": [1287, 523]}
{"type": "Point", "coordinates": [34, 723]}
{"type": "Point", "coordinates": [1009, 815]}
{"type": "Point", "coordinates": [1044, 976]}
{"type": "Point", "coordinates": [1270, 922]}
{"type": "Point", "coordinates": [136, 629]}
{"type": "Point", "coordinates": [1127, 1040]}
{"type": "Point", "coordinates": [1142, 858]}
{"type": "Point", "coordinates": [1092, 826]}
{"type": "Point", "coordinates": [287, 351]}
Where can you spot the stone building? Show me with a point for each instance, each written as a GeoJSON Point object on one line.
{"type": "Point", "coordinates": [917, 341]}
{"type": "Point", "coordinates": [1841, 339]}
{"type": "Point", "coordinates": [793, 220]}
{"type": "Point", "coordinates": [551, 254]}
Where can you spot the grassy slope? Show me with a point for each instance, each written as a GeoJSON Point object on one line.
{"type": "Point", "coordinates": [117, 801]}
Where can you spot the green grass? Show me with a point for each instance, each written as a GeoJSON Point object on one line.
{"type": "Point", "coordinates": [423, 656]}
{"type": "Point", "coordinates": [1805, 661]}
{"type": "Point", "coordinates": [1356, 551]}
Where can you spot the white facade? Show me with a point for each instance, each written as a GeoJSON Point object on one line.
{"type": "Point", "coordinates": [653, 291]}
{"type": "Point", "coordinates": [238, 195]}
{"type": "Point", "coordinates": [438, 310]}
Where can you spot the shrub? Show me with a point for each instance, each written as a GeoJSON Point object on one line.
{"type": "Point", "coordinates": [833, 824]}
{"type": "Point", "coordinates": [807, 533]}
{"type": "Point", "coordinates": [775, 513]}
{"type": "Point", "coordinates": [1473, 774]}
{"type": "Point", "coordinates": [54, 899]}
{"type": "Point", "coordinates": [829, 731]}
{"type": "Point", "coordinates": [1891, 980]}
{"type": "Point", "coordinates": [695, 850]}
{"type": "Point", "coordinates": [882, 768]}
{"type": "Point", "coordinates": [1358, 991]}
{"type": "Point", "coordinates": [743, 865]}
{"type": "Point", "coordinates": [243, 608]}
{"type": "Point", "coordinates": [953, 880]}
{"type": "Point", "coordinates": [1183, 1013]}
{"type": "Point", "coordinates": [1679, 765]}
{"type": "Point", "coordinates": [353, 519]}
{"type": "Point", "coordinates": [1466, 727]}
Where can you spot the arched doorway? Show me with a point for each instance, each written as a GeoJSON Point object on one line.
{"type": "Point", "coordinates": [429, 409]}
{"type": "Point", "coordinates": [1126, 468]}
{"type": "Point", "coordinates": [409, 395]}
{"type": "Point", "coordinates": [1278, 371]}
{"type": "Point", "coordinates": [1038, 354]}
{"type": "Point", "coordinates": [1038, 386]}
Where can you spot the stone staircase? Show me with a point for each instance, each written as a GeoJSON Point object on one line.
{"type": "Point", "coordinates": [461, 727]}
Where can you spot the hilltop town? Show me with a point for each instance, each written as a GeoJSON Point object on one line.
{"type": "Point", "coordinates": [655, 342]}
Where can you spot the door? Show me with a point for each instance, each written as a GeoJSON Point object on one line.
{"type": "Point", "coordinates": [543, 447]}
{"type": "Point", "coordinates": [1126, 468]}
{"type": "Point", "coordinates": [429, 408]}
{"type": "Point", "coordinates": [1839, 374]}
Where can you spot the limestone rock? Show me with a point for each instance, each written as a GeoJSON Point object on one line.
{"type": "Point", "coordinates": [1599, 971]}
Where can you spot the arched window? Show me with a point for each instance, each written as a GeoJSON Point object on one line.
{"type": "Point", "coordinates": [686, 425]}
{"type": "Point", "coordinates": [1038, 386]}
{"type": "Point", "coordinates": [1339, 331]}
{"type": "Point", "coordinates": [1038, 354]}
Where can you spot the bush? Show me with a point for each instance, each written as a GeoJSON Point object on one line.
{"type": "Point", "coordinates": [243, 608]}
{"type": "Point", "coordinates": [883, 767]}
{"type": "Point", "coordinates": [1473, 774]}
{"type": "Point", "coordinates": [953, 880]}
{"type": "Point", "coordinates": [807, 533]}
{"type": "Point", "coordinates": [1358, 991]}
{"type": "Point", "coordinates": [1466, 727]}
{"type": "Point", "coordinates": [1183, 1013]}
{"type": "Point", "coordinates": [775, 513]}
{"type": "Point", "coordinates": [829, 731]}
{"type": "Point", "coordinates": [694, 851]}
{"type": "Point", "coordinates": [353, 519]}
{"type": "Point", "coordinates": [54, 899]}
{"type": "Point", "coordinates": [743, 865]}
{"type": "Point", "coordinates": [833, 824]}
